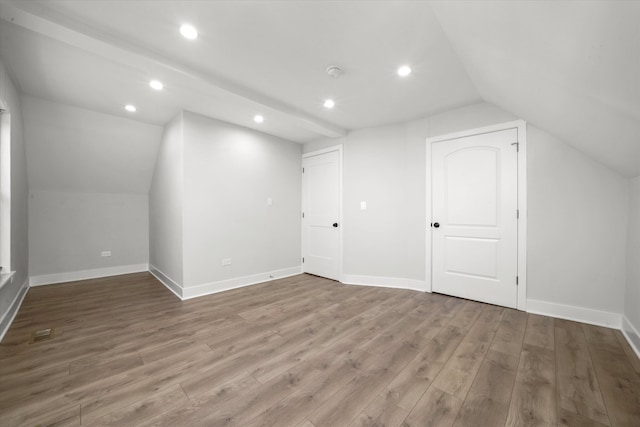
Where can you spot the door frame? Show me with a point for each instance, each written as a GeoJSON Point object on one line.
{"type": "Point", "coordinates": [339, 149]}
{"type": "Point", "coordinates": [521, 127]}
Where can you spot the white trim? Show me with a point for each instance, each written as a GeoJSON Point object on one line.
{"type": "Point", "coordinates": [521, 127]}
{"type": "Point", "coordinates": [323, 151]}
{"type": "Point", "coordinates": [72, 276]}
{"type": "Point", "coordinates": [631, 334]}
{"type": "Point", "coordinates": [6, 278]}
{"type": "Point", "coordinates": [238, 282]}
{"type": "Point", "coordinates": [385, 282]}
{"type": "Point", "coordinates": [5, 190]}
{"type": "Point", "coordinates": [168, 282]}
{"type": "Point", "coordinates": [340, 150]}
{"type": "Point", "coordinates": [428, 263]}
{"type": "Point", "coordinates": [10, 315]}
{"type": "Point", "coordinates": [522, 209]}
{"type": "Point", "coordinates": [578, 314]}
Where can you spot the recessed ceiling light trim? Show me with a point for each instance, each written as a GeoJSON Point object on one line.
{"type": "Point", "coordinates": [130, 108]}
{"type": "Point", "coordinates": [258, 118]}
{"type": "Point", "coordinates": [122, 53]}
{"type": "Point", "coordinates": [156, 84]}
{"type": "Point", "coordinates": [404, 71]}
{"type": "Point", "coordinates": [329, 104]}
{"type": "Point", "coordinates": [188, 31]}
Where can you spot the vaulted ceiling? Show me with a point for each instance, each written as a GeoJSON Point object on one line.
{"type": "Point", "coordinates": [571, 68]}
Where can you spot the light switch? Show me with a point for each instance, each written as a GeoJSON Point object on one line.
{"type": "Point", "coordinates": [269, 201]}
{"type": "Point", "coordinates": [363, 206]}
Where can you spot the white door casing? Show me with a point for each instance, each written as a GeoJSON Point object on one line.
{"type": "Point", "coordinates": [321, 210]}
{"type": "Point", "coordinates": [473, 189]}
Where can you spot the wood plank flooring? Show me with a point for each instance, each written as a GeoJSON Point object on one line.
{"type": "Point", "coordinates": [305, 352]}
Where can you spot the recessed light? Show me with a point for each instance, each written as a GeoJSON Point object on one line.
{"type": "Point", "coordinates": [130, 108]}
{"type": "Point", "coordinates": [156, 84]}
{"type": "Point", "coordinates": [329, 104]}
{"type": "Point", "coordinates": [404, 71]}
{"type": "Point", "coordinates": [189, 32]}
{"type": "Point", "coordinates": [258, 119]}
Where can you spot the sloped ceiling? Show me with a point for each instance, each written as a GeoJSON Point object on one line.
{"type": "Point", "coordinates": [265, 58]}
{"type": "Point", "coordinates": [571, 68]}
{"type": "Point", "coordinates": [77, 150]}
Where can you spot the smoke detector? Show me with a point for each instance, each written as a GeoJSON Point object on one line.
{"type": "Point", "coordinates": [334, 71]}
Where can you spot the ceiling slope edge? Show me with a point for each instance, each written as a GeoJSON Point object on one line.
{"type": "Point", "coordinates": [122, 52]}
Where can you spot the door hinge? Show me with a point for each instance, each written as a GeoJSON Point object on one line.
{"type": "Point", "coordinates": [517, 279]}
{"type": "Point", "coordinates": [302, 214]}
{"type": "Point", "coordinates": [517, 144]}
{"type": "Point", "coordinates": [302, 170]}
{"type": "Point", "coordinates": [518, 213]}
{"type": "Point", "coordinates": [303, 260]}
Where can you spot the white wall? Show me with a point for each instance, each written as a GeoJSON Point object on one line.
{"type": "Point", "coordinates": [208, 201]}
{"type": "Point", "coordinates": [577, 211]}
{"type": "Point", "coordinates": [12, 291]}
{"type": "Point", "coordinates": [75, 149]}
{"type": "Point", "coordinates": [166, 206]}
{"type": "Point", "coordinates": [386, 168]}
{"type": "Point", "coordinates": [631, 323]}
{"type": "Point", "coordinates": [69, 230]}
{"type": "Point", "coordinates": [89, 178]}
{"type": "Point", "coordinates": [578, 215]}
{"type": "Point", "coordinates": [229, 173]}
{"type": "Point", "coordinates": [375, 240]}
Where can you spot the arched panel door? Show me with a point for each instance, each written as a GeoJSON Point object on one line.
{"type": "Point", "coordinates": [474, 213]}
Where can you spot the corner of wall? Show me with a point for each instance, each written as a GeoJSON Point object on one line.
{"type": "Point", "coordinates": [169, 283]}
{"type": "Point", "coordinates": [575, 313]}
{"type": "Point", "coordinates": [631, 334]}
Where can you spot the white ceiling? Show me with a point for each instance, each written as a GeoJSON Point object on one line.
{"type": "Point", "coordinates": [572, 68]}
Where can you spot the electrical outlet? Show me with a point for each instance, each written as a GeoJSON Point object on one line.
{"type": "Point", "coordinates": [105, 253]}
{"type": "Point", "coordinates": [226, 261]}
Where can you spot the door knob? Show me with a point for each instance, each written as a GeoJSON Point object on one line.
{"type": "Point", "coordinates": [436, 225]}
{"type": "Point", "coordinates": [335, 224]}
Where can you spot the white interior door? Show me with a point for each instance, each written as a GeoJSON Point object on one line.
{"type": "Point", "coordinates": [321, 214]}
{"type": "Point", "coordinates": [474, 214]}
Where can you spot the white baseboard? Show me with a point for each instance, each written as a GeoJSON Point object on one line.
{"type": "Point", "coordinates": [384, 282]}
{"type": "Point", "coordinates": [238, 282]}
{"type": "Point", "coordinates": [631, 334]}
{"type": "Point", "coordinates": [7, 318]}
{"type": "Point", "coordinates": [72, 276]}
{"type": "Point", "coordinates": [578, 314]}
{"type": "Point", "coordinates": [167, 281]}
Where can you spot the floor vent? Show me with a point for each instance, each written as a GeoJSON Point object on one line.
{"type": "Point", "coordinates": [42, 335]}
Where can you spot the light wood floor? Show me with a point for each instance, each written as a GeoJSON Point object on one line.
{"type": "Point", "coordinates": [305, 351]}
